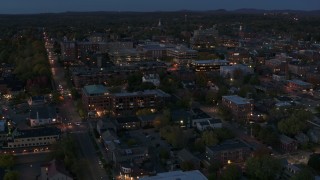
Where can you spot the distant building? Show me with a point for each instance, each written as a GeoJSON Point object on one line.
{"type": "Point", "coordinates": [126, 103]}
{"type": "Point", "coordinates": [82, 76]}
{"type": "Point", "coordinates": [151, 78]}
{"type": "Point", "coordinates": [182, 175]}
{"type": "Point", "coordinates": [98, 98]}
{"type": "Point", "coordinates": [276, 65]}
{"type": "Point", "coordinates": [54, 170]}
{"type": "Point", "coordinates": [230, 151]}
{"type": "Point", "coordinates": [238, 56]}
{"type": "Point", "coordinates": [204, 38]}
{"type": "Point", "coordinates": [124, 57]}
{"type": "Point", "coordinates": [68, 50]}
{"type": "Point", "coordinates": [207, 65]}
{"type": "Point", "coordinates": [298, 68]}
{"type": "Point", "coordinates": [288, 144]}
{"type": "Point", "coordinates": [229, 71]}
{"type": "Point", "coordinates": [241, 108]}
{"type": "Point", "coordinates": [182, 55]}
{"type": "Point", "coordinates": [153, 50]}
{"type": "Point", "coordinates": [299, 85]}
{"type": "Point", "coordinates": [33, 137]}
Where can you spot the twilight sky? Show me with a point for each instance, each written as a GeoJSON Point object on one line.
{"type": "Point", "coordinates": [44, 6]}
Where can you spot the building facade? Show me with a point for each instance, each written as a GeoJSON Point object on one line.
{"type": "Point", "coordinates": [230, 151]}
{"type": "Point", "coordinates": [33, 137]}
{"type": "Point", "coordinates": [207, 65]}
{"type": "Point", "coordinates": [241, 108]}
{"type": "Point", "coordinates": [97, 98]}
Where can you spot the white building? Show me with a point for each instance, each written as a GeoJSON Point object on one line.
{"type": "Point", "coordinates": [226, 71]}
{"type": "Point", "coordinates": [42, 116]}
{"type": "Point", "coordinates": [151, 78]}
{"type": "Point", "coordinates": [209, 124]}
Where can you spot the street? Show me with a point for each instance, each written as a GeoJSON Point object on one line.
{"type": "Point", "coordinates": [80, 132]}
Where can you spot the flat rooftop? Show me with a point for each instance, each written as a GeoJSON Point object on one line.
{"type": "Point", "coordinates": [299, 82]}
{"type": "Point", "coordinates": [229, 145]}
{"type": "Point", "coordinates": [237, 99]}
{"type": "Point", "coordinates": [211, 61]}
{"type": "Point", "coordinates": [177, 175]}
{"type": "Point", "coordinates": [156, 92]}
{"type": "Point", "coordinates": [37, 132]}
{"type": "Point", "coordinates": [95, 89]}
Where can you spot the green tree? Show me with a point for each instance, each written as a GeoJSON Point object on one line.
{"type": "Point", "coordinates": [11, 175]}
{"type": "Point", "coordinates": [187, 165]}
{"type": "Point", "coordinates": [163, 154]}
{"type": "Point", "coordinates": [231, 172]}
{"type": "Point", "coordinates": [145, 111]}
{"type": "Point", "coordinates": [305, 174]}
{"type": "Point", "coordinates": [6, 161]}
{"type": "Point", "coordinates": [225, 113]}
{"type": "Point", "coordinates": [164, 119]}
{"type": "Point", "coordinates": [314, 162]}
{"type": "Point", "coordinates": [209, 138]}
{"type": "Point", "coordinates": [263, 168]}
{"type": "Point", "coordinates": [296, 123]}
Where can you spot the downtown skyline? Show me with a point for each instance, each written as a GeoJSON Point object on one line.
{"type": "Point", "coordinates": [49, 6]}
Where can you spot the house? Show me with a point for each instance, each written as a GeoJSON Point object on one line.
{"type": "Point", "coordinates": [302, 138]}
{"type": "Point", "coordinates": [289, 171]}
{"type": "Point", "coordinates": [181, 117]}
{"type": "Point", "coordinates": [198, 116]}
{"type": "Point", "coordinates": [185, 156]}
{"type": "Point", "coordinates": [36, 100]}
{"type": "Point", "coordinates": [42, 115]}
{"type": "Point", "coordinates": [229, 151]}
{"type": "Point", "coordinates": [136, 171]}
{"type": "Point", "coordinates": [106, 124]}
{"type": "Point", "coordinates": [288, 144]}
{"type": "Point", "coordinates": [54, 170]}
{"type": "Point", "coordinates": [209, 124]}
{"type": "Point", "coordinates": [133, 154]}
{"type": "Point", "coordinates": [314, 135]}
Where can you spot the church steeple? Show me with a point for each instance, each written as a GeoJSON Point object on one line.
{"type": "Point", "coordinates": [159, 24]}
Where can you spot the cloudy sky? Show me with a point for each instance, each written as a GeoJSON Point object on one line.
{"type": "Point", "coordinates": [44, 6]}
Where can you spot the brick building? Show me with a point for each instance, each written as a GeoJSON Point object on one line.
{"type": "Point", "coordinates": [230, 151]}
{"type": "Point", "coordinates": [241, 108]}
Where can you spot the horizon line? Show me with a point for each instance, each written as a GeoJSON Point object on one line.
{"type": "Point", "coordinates": [165, 11]}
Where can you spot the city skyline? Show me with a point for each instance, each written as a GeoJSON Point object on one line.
{"type": "Point", "coordinates": [48, 6]}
